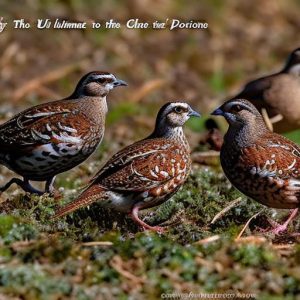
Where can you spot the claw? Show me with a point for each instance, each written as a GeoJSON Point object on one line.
{"type": "Point", "coordinates": [145, 226]}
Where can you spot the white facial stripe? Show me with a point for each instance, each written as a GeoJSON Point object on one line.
{"type": "Point", "coordinates": [297, 52]}
{"type": "Point", "coordinates": [242, 104]}
{"type": "Point", "coordinates": [103, 76]}
{"type": "Point", "coordinates": [174, 104]}
{"type": "Point", "coordinates": [295, 69]}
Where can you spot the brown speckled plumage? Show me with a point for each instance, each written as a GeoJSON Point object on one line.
{"type": "Point", "coordinates": [145, 173]}
{"type": "Point", "coordinates": [263, 165]}
{"type": "Point", "coordinates": [278, 93]}
{"type": "Point", "coordinates": [51, 138]}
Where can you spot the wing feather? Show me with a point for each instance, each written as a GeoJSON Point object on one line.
{"type": "Point", "coordinates": [141, 167]}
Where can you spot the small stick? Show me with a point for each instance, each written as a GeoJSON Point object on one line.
{"type": "Point", "coordinates": [146, 89]}
{"type": "Point", "coordinates": [208, 240]}
{"type": "Point", "coordinates": [53, 75]}
{"type": "Point", "coordinates": [97, 243]}
{"type": "Point", "coordinates": [226, 209]}
{"type": "Point", "coordinates": [276, 118]}
{"type": "Point", "coordinates": [211, 153]}
{"type": "Point", "coordinates": [246, 225]}
{"type": "Point", "coordinates": [267, 119]}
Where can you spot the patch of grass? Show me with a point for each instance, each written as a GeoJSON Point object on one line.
{"type": "Point", "coordinates": [53, 258]}
{"type": "Point", "coordinates": [294, 136]}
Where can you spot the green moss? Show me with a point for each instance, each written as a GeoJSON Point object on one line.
{"type": "Point", "coordinates": [162, 263]}
{"type": "Point", "coordinates": [6, 224]}
{"type": "Point", "coordinates": [252, 255]}
{"type": "Point", "coordinates": [20, 232]}
{"type": "Point", "coordinates": [30, 282]}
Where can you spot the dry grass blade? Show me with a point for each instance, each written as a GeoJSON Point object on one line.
{"type": "Point", "coordinates": [267, 118]}
{"type": "Point", "coordinates": [276, 118]}
{"type": "Point", "coordinates": [247, 224]}
{"type": "Point", "coordinates": [208, 240]}
{"type": "Point", "coordinates": [98, 243]}
{"type": "Point", "coordinates": [54, 75]}
{"type": "Point", "coordinates": [117, 264]}
{"type": "Point", "coordinates": [226, 209]}
{"type": "Point", "coordinates": [146, 89]}
{"type": "Point", "coordinates": [8, 54]}
{"type": "Point", "coordinates": [252, 239]}
{"type": "Point", "coordinates": [211, 153]}
{"type": "Point", "coordinates": [285, 249]}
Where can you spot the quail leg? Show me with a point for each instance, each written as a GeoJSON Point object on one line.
{"type": "Point", "coordinates": [135, 216]}
{"type": "Point", "coordinates": [49, 188]}
{"type": "Point", "coordinates": [24, 184]}
{"type": "Point", "coordinates": [281, 228]}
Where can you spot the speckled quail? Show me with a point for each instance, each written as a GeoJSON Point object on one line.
{"type": "Point", "coordinates": [263, 165]}
{"type": "Point", "coordinates": [279, 94]}
{"type": "Point", "coordinates": [146, 173]}
{"type": "Point", "coordinates": [54, 137]}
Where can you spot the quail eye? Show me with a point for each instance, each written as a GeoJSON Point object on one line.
{"type": "Point", "coordinates": [101, 80]}
{"type": "Point", "coordinates": [236, 108]}
{"type": "Point", "coordinates": [178, 109]}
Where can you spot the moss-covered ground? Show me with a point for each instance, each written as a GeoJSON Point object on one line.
{"type": "Point", "coordinates": [99, 253]}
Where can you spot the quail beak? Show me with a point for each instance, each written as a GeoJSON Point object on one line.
{"type": "Point", "coordinates": [218, 112]}
{"type": "Point", "coordinates": [119, 82]}
{"type": "Point", "coordinates": [193, 113]}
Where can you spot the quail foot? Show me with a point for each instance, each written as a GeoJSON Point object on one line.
{"type": "Point", "coordinates": [146, 173]}
{"type": "Point", "coordinates": [54, 137]}
{"type": "Point", "coordinates": [263, 165]}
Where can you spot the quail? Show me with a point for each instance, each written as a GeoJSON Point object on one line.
{"type": "Point", "coordinates": [263, 165]}
{"type": "Point", "coordinates": [146, 173]}
{"type": "Point", "coordinates": [54, 137]}
{"type": "Point", "coordinates": [278, 94]}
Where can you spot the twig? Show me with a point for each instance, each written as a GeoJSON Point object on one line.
{"type": "Point", "coordinates": [35, 83]}
{"type": "Point", "coordinates": [226, 209]}
{"type": "Point", "coordinates": [267, 118]}
{"type": "Point", "coordinates": [276, 118]}
{"type": "Point", "coordinates": [210, 239]}
{"type": "Point", "coordinates": [10, 51]}
{"type": "Point", "coordinates": [246, 225]}
{"type": "Point", "coordinates": [211, 153]}
{"type": "Point", "coordinates": [147, 88]}
{"type": "Point", "coordinates": [97, 243]}
{"type": "Point", "coordinates": [252, 239]}
{"type": "Point", "coordinates": [116, 263]}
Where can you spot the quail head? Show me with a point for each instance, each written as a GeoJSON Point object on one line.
{"type": "Point", "coordinates": [279, 94]}
{"type": "Point", "coordinates": [54, 137]}
{"type": "Point", "coordinates": [263, 165]}
{"type": "Point", "coordinates": [146, 173]}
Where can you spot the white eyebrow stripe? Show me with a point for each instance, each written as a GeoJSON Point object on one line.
{"type": "Point", "coordinates": [103, 76]}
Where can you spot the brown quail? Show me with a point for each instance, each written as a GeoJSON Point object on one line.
{"type": "Point", "coordinates": [263, 165]}
{"type": "Point", "coordinates": [146, 173]}
{"type": "Point", "coordinates": [279, 94]}
{"type": "Point", "coordinates": [54, 137]}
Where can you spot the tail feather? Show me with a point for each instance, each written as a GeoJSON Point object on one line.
{"type": "Point", "coordinates": [87, 197]}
